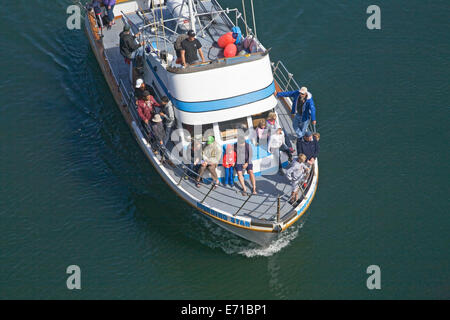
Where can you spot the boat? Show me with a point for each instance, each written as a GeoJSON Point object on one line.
{"type": "Point", "coordinates": [223, 95]}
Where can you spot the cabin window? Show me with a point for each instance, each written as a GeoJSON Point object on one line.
{"type": "Point", "coordinates": [256, 118]}
{"type": "Point", "coordinates": [229, 129]}
{"type": "Point", "coordinates": [205, 130]}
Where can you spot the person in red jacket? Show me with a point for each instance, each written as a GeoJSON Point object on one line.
{"type": "Point", "coordinates": [229, 161]}
{"type": "Point", "coordinates": [146, 108]}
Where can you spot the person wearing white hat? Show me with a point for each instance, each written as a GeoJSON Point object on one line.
{"type": "Point", "coordinates": [303, 108]}
{"type": "Point", "coordinates": [140, 88]}
{"type": "Point", "coordinates": [158, 129]}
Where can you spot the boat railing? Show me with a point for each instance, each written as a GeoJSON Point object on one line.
{"type": "Point", "coordinates": [284, 78]}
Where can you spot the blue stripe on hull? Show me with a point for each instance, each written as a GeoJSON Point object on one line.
{"type": "Point", "coordinates": [227, 103]}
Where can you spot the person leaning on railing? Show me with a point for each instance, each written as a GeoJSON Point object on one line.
{"type": "Point", "coordinates": [190, 46]}
{"type": "Point", "coordinates": [309, 146]}
{"type": "Point", "coordinates": [212, 155]}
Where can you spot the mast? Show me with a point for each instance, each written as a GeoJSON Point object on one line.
{"type": "Point", "coordinates": [191, 15]}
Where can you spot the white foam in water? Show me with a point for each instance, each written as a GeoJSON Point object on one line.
{"type": "Point", "coordinates": [215, 237]}
{"type": "Point", "coordinates": [283, 241]}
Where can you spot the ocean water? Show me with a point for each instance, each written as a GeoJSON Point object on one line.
{"type": "Point", "coordinates": [76, 189]}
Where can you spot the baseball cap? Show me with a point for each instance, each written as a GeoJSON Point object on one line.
{"type": "Point", "coordinates": [304, 90]}
{"type": "Point", "coordinates": [191, 33]}
{"type": "Point", "coordinates": [139, 83]}
{"type": "Point", "coordinates": [210, 140]}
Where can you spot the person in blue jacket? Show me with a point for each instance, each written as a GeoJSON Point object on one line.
{"type": "Point", "coordinates": [303, 108]}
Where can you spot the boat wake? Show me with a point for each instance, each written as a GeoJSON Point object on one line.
{"type": "Point", "coordinates": [213, 236]}
{"type": "Point", "coordinates": [285, 239]}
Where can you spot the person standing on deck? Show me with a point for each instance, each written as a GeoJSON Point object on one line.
{"type": "Point", "coordinates": [109, 4]}
{"type": "Point", "coordinates": [228, 162]}
{"type": "Point", "coordinates": [128, 44]}
{"type": "Point", "coordinates": [244, 162]}
{"type": "Point", "coordinates": [304, 109]}
{"type": "Point", "coordinates": [145, 111]}
{"type": "Point", "coordinates": [158, 129]}
{"type": "Point", "coordinates": [169, 116]}
{"type": "Point", "coordinates": [190, 46]}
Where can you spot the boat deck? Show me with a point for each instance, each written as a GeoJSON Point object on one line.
{"type": "Point", "coordinates": [269, 187]}
{"type": "Point", "coordinates": [262, 206]}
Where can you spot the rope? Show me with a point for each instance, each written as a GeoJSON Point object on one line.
{"type": "Point", "coordinates": [245, 17]}
{"type": "Point", "coordinates": [254, 22]}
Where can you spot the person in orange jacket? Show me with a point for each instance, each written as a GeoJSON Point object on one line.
{"type": "Point", "coordinates": [229, 161]}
